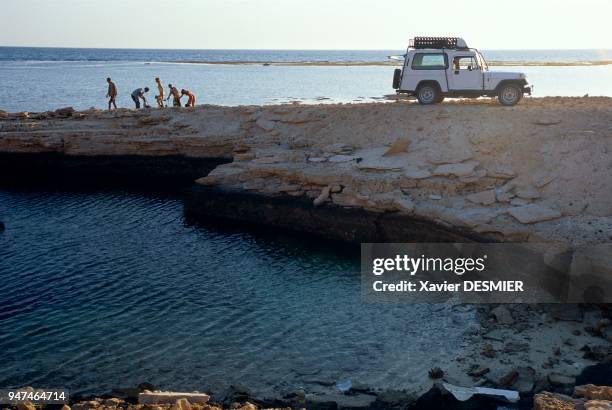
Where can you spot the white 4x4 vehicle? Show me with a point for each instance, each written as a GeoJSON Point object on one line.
{"type": "Point", "coordinates": [438, 67]}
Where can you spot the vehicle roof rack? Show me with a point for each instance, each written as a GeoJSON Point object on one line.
{"type": "Point", "coordinates": [438, 42]}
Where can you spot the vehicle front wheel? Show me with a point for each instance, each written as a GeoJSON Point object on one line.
{"type": "Point", "coordinates": [428, 94]}
{"type": "Point", "coordinates": [509, 94]}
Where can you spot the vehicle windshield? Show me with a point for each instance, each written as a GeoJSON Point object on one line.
{"type": "Point", "coordinates": [482, 62]}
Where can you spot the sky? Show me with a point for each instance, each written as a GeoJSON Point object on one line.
{"type": "Point", "coordinates": [305, 24]}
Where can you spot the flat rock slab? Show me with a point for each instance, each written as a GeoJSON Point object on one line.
{"type": "Point", "coordinates": [398, 147]}
{"type": "Point", "coordinates": [342, 158]}
{"type": "Point", "coordinates": [460, 170]}
{"type": "Point", "coordinates": [533, 213]}
{"type": "Point", "coordinates": [592, 392]}
{"type": "Point", "coordinates": [452, 153]}
{"type": "Point", "coordinates": [163, 397]}
{"type": "Point", "coordinates": [414, 172]}
{"type": "Point", "coordinates": [484, 197]}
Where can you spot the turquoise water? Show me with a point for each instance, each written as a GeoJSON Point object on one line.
{"type": "Point", "coordinates": [113, 288]}
{"type": "Point", "coordinates": [45, 79]}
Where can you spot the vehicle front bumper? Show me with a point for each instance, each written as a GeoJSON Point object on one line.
{"type": "Point", "coordinates": [527, 89]}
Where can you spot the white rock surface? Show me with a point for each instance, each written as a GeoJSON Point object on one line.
{"type": "Point", "coordinates": [483, 197]}
{"type": "Point", "coordinates": [533, 213]}
{"type": "Point", "coordinates": [458, 155]}
{"type": "Point", "coordinates": [463, 169]}
{"type": "Point", "coordinates": [159, 397]}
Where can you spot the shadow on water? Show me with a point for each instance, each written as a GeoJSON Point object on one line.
{"type": "Point", "coordinates": [292, 242]}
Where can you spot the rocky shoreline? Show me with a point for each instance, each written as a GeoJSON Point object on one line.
{"type": "Point", "coordinates": [535, 172]}
{"type": "Point", "coordinates": [333, 222]}
{"type": "Point", "coordinates": [552, 356]}
{"type": "Point", "coordinates": [400, 172]}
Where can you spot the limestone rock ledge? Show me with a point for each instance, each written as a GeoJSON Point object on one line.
{"type": "Point", "coordinates": [540, 171]}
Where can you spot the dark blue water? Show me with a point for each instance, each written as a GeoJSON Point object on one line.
{"type": "Point", "coordinates": [113, 288]}
{"type": "Point", "coordinates": [373, 56]}
{"type": "Point", "coordinates": [94, 54]}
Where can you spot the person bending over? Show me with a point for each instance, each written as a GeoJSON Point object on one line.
{"type": "Point", "coordinates": [139, 93]}
{"type": "Point", "coordinates": [191, 98]}
{"type": "Point", "coordinates": [176, 96]}
{"type": "Point", "coordinates": [111, 94]}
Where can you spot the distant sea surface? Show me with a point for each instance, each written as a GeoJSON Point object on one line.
{"type": "Point", "coordinates": [370, 56]}
{"type": "Point", "coordinates": [38, 79]}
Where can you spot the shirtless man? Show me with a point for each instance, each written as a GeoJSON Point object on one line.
{"type": "Point", "coordinates": [111, 94]}
{"type": "Point", "coordinates": [176, 96]}
{"type": "Point", "coordinates": [160, 97]}
{"type": "Point", "coordinates": [190, 96]}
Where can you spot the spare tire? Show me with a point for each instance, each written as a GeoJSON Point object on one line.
{"type": "Point", "coordinates": [397, 78]}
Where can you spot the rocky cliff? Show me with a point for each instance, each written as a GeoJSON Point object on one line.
{"type": "Point", "coordinates": [539, 171]}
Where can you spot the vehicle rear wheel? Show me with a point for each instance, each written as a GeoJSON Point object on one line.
{"type": "Point", "coordinates": [509, 94]}
{"type": "Point", "coordinates": [428, 94]}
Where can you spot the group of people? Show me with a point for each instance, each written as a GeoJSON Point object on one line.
{"type": "Point", "coordinates": [139, 94]}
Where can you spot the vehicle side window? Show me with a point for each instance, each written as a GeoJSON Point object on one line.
{"type": "Point", "coordinates": [465, 63]}
{"type": "Point", "coordinates": [430, 61]}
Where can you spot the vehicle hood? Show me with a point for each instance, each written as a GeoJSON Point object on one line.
{"type": "Point", "coordinates": [505, 75]}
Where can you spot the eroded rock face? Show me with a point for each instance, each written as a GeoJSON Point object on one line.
{"type": "Point", "coordinates": [593, 392]}
{"type": "Point", "coordinates": [588, 397]}
{"type": "Point", "coordinates": [551, 401]}
{"type": "Point", "coordinates": [469, 166]}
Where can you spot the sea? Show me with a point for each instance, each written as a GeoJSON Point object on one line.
{"type": "Point", "coordinates": [111, 287]}
{"type": "Point", "coordinates": [40, 79]}
{"type": "Point", "coordinates": [107, 288]}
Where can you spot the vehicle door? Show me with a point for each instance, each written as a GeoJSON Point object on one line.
{"type": "Point", "coordinates": [425, 66]}
{"type": "Point", "coordinates": [465, 73]}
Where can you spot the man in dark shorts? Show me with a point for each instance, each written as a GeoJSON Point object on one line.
{"type": "Point", "coordinates": [176, 96]}
{"type": "Point", "coordinates": [139, 93]}
{"type": "Point", "coordinates": [111, 94]}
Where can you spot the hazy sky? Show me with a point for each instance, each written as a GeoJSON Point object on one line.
{"type": "Point", "coordinates": [304, 24]}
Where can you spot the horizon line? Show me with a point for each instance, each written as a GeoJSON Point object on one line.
{"type": "Point", "coordinates": [291, 49]}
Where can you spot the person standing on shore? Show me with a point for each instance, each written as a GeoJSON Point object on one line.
{"type": "Point", "coordinates": [160, 96]}
{"type": "Point", "coordinates": [191, 98]}
{"type": "Point", "coordinates": [111, 94]}
{"type": "Point", "coordinates": [139, 93]}
{"type": "Point", "coordinates": [176, 96]}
